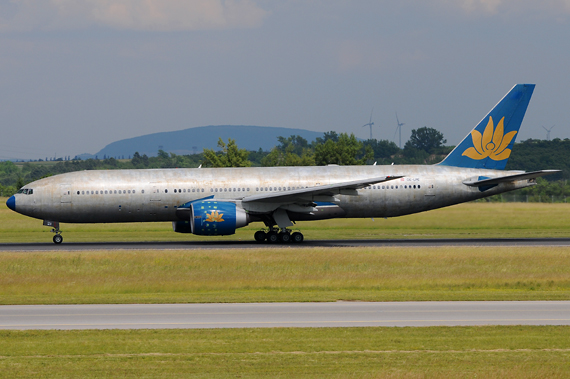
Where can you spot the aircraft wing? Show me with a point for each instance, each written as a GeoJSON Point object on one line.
{"type": "Point", "coordinates": [303, 194]}
{"type": "Point", "coordinates": [508, 178]}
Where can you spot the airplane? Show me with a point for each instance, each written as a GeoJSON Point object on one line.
{"type": "Point", "coordinates": [217, 201]}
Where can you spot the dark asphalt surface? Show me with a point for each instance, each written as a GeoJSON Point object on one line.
{"type": "Point", "coordinates": [189, 245]}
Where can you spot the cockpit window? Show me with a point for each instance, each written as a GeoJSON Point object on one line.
{"type": "Point", "coordinates": [26, 191]}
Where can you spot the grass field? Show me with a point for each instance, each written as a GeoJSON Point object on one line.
{"type": "Point", "coordinates": [285, 274]}
{"type": "Point", "coordinates": [471, 220]}
{"type": "Point", "coordinates": [434, 352]}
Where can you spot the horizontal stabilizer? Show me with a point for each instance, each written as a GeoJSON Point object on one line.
{"type": "Point", "coordinates": [509, 178]}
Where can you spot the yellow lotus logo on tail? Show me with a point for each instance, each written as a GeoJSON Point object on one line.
{"type": "Point", "coordinates": [493, 143]}
{"type": "Point", "coordinates": [215, 217]}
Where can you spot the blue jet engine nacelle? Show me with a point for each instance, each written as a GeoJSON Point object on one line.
{"type": "Point", "coordinates": [213, 218]}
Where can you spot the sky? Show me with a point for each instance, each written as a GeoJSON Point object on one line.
{"type": "Point", "coordinates": [78, 75]}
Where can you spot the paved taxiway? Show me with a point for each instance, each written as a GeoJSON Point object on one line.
{"type": "Point", "coordinates": [264, 315]}
{"type": "Point", "coordinates": [189, 245]}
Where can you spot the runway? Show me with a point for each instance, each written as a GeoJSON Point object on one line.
{"type": "Point", "coordinates": [190, 245]}
{"type": "Point", "coordinates": [268, 315]}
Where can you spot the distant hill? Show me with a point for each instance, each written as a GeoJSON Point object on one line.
{"type": "Point", "coordinates": [194, 140]}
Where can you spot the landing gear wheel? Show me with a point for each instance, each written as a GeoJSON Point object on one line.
{"type": "Point", "coordinates": [284, 237]}
{"type": "Point", "coordinates": [272, 237]}
{"type": "Point", "coordinates": [297, 237]}
{"type": "Point", "coordinates": [260, 236]}
{"type": "Point", "coordinates": [57, 239]}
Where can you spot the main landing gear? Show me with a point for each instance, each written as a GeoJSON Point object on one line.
{"type": "Point", "coordinates": [275, 235]}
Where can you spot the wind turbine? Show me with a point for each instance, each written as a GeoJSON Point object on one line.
{"type": "Point", "coordinates": [399, 129]}
{"type": "Point", "coordinates": [548, 132]}
{"type": "Point", "coordinates": [370, 123]}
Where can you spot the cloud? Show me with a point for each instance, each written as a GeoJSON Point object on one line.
{"type": "Point", "coordinates": [156, 15]}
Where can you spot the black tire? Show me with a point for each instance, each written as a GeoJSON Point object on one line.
{"type": "Point", "coordinates": [284, 237]}
{"type": "Point", "coordinates": [260, 236]}
{"type": "Point", "coordinates": [57, 239]}
{"type": "Point", "coordinates": [272, 237]}
{"type": "Point", "coordinates": [297, 237]}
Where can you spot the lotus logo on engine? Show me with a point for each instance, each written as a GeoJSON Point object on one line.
{"type": "Point", "coordinates": [215, 217]}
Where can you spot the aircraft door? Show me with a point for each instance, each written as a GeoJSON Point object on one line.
{"type": "Point", "coordinates": [430, 187]}
{"type": "Point", "coordinates": [65, 193]}
{"type": "Point", "coordinates": [155, 194]}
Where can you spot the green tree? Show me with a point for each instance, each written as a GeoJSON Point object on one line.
{"type": "Point", "coordinates": [382, 148]}
{"type": "Point", "coordinates": [292, 151]}
{"type": "Point", "coordinates": [230, 156]}
{"type": "Point", "coordinates": [345, 151]}
{"type": "Point", "coordinates": [332, 135]}
{"type": "Point", "coordinates": [426, 139]}
{"type": "Point", "coordinates": [20, 183]}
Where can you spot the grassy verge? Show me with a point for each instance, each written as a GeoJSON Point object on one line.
{"type": "Point", "coordinates": [471, 220]}
{"type": "Point", "coordinates": [434, 352]}
{"type": "Point", "coordinates": [284, 274]}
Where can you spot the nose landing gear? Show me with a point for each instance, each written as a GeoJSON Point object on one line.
{"type": "Point", "coordinates": [57, 239]}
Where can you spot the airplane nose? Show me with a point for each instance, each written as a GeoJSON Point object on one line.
{"type": "Point", "coordinates": [11, 203]}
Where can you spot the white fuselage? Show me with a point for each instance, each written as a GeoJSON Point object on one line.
{"type": "Point", "coordinates": [155, 195]}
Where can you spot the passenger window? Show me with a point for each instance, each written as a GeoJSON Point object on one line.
{"type": "Point", "coordinates": [165, 191]}
{"type": "Point", "coordinates": [175, 190]}
{"type": "Point", "coordinates": [142, 191]}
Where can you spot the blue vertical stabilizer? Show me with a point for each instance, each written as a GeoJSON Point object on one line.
{"type": "Point", "coordinates": [490, 143]}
